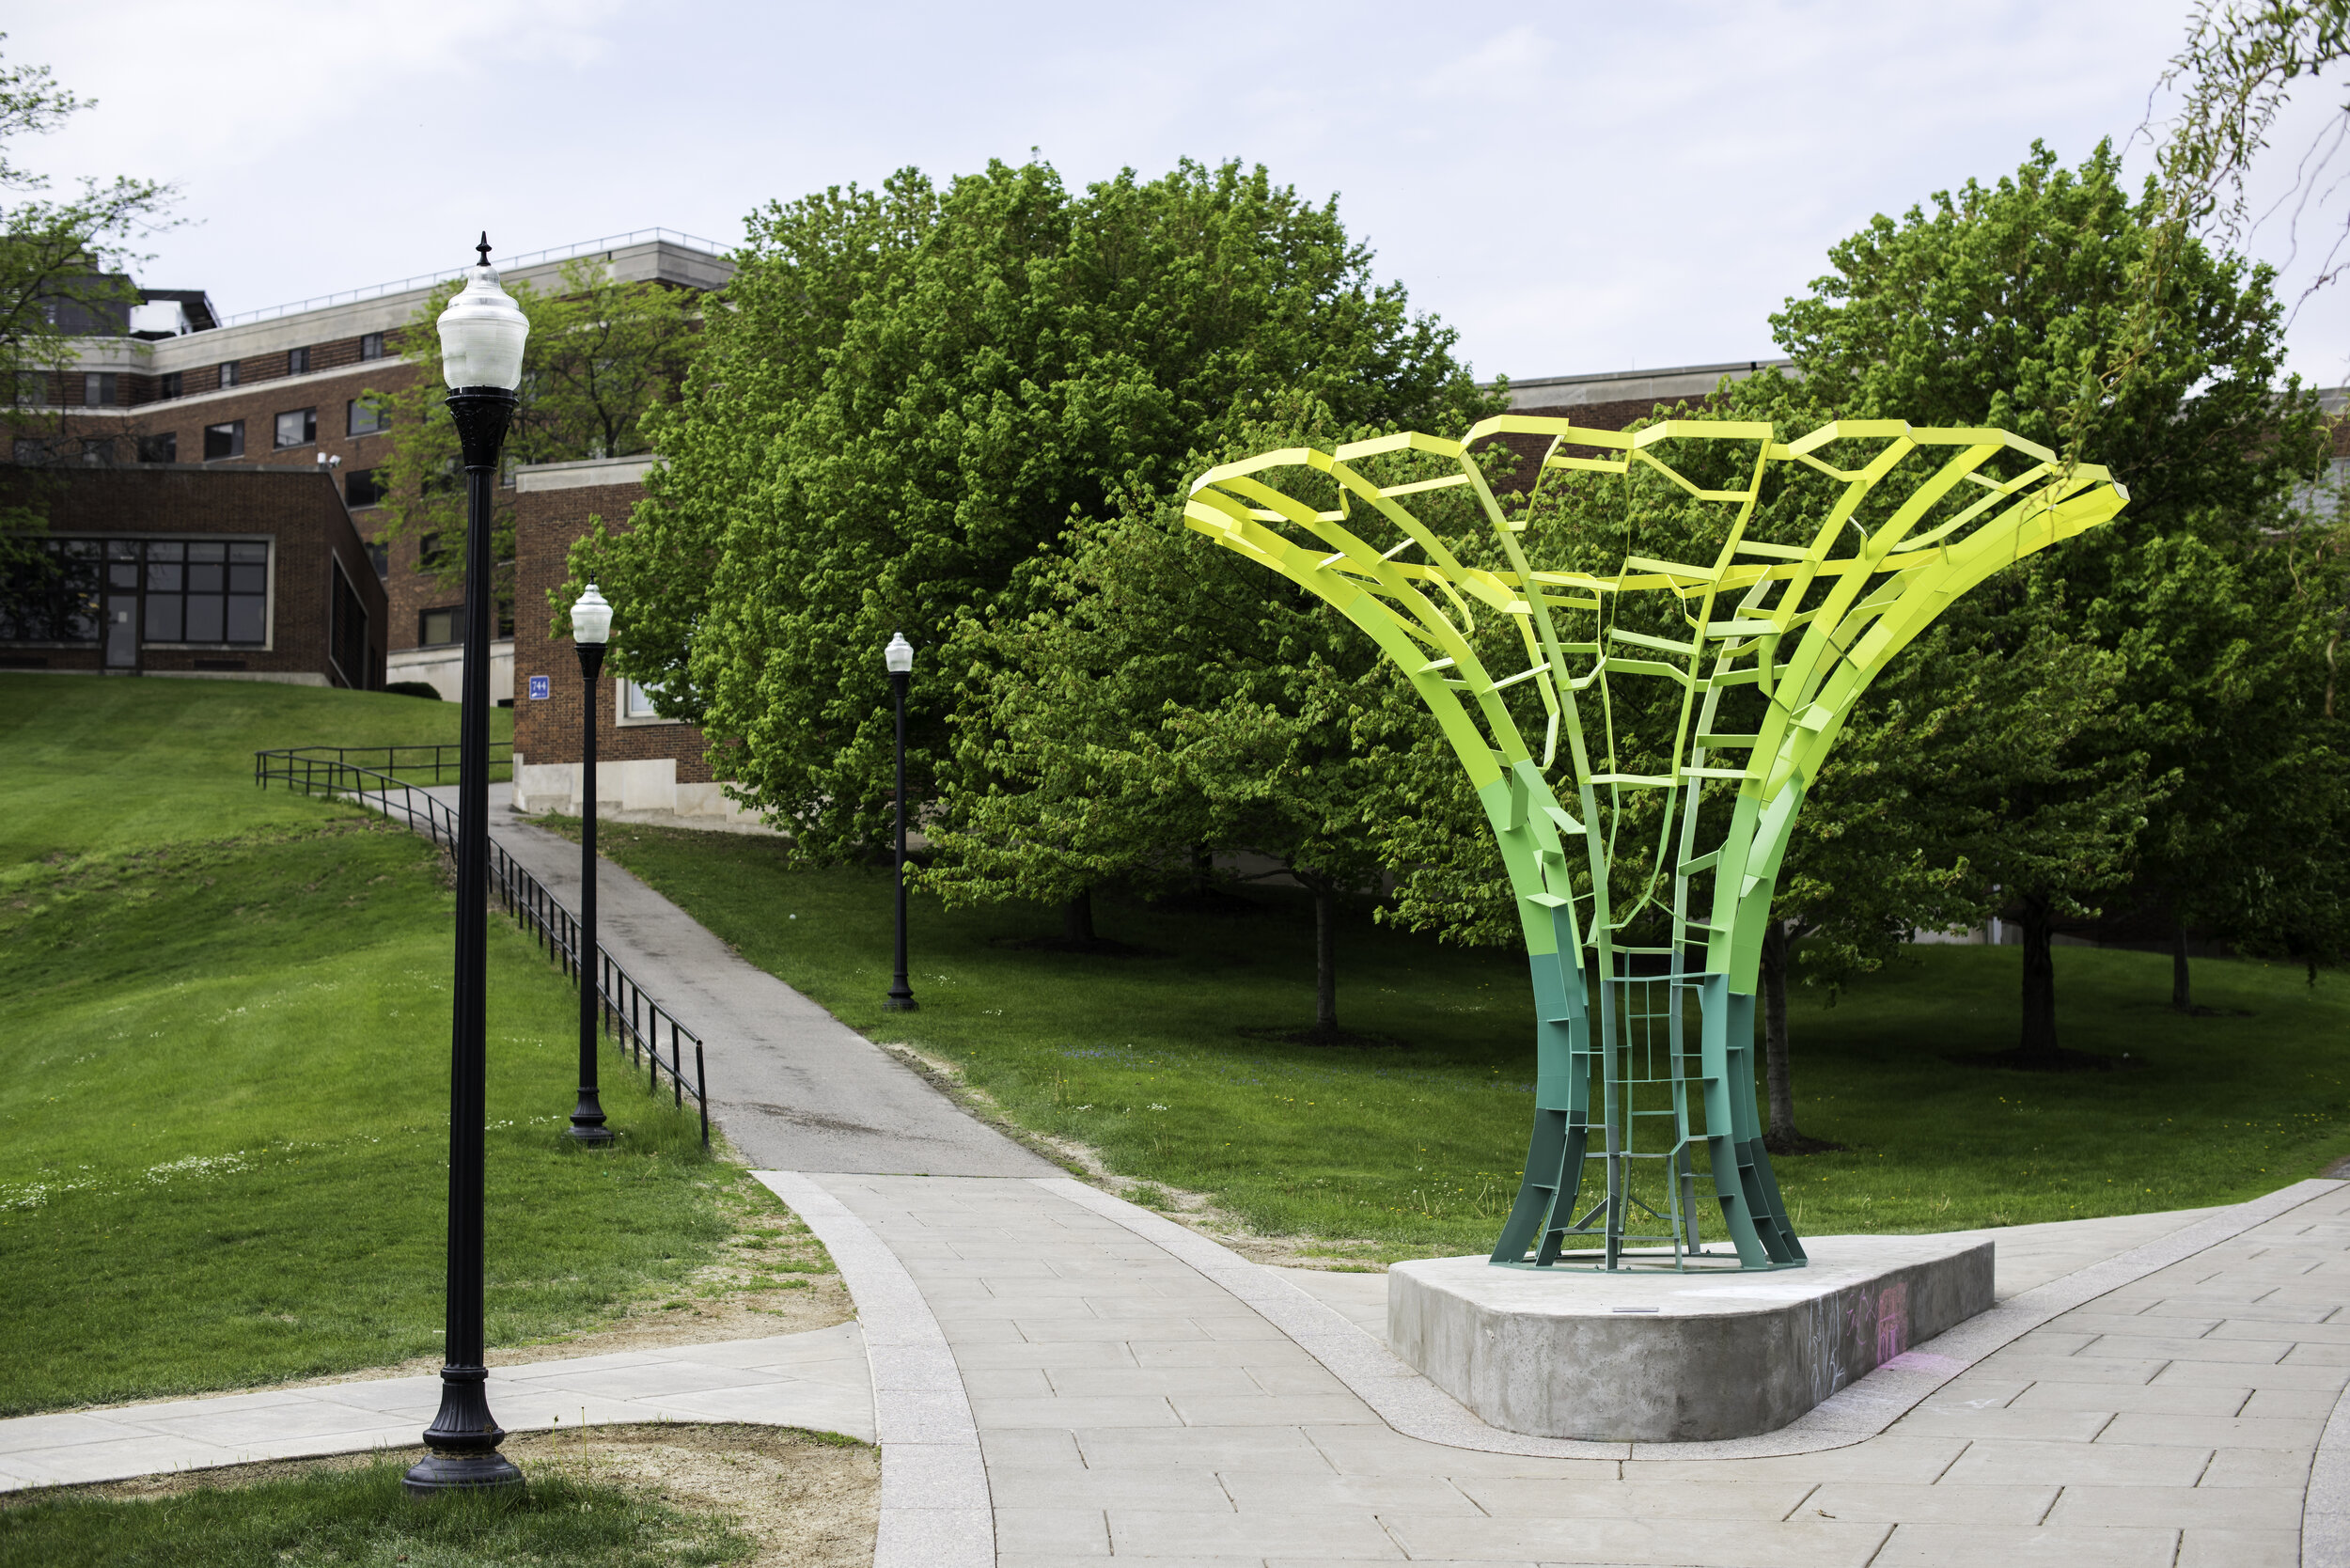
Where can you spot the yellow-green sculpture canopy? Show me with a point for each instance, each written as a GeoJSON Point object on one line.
{"type": "Point", "coordinates": [1762, 653]}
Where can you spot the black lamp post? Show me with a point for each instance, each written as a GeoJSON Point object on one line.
{"type": "Point", "coordinates": [591, 630]}
{"type": "Point", "coordinates": [482, 351]}
{"type": "Point", "coordinates": [899, 656]}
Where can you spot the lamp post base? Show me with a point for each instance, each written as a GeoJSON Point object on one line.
{"type": "Point", "coordinates": [895, 1003]}
{"type": "Point", "coordinates": [588, 1120]}
{"type": "Point", "coordinates": [485, 1471]}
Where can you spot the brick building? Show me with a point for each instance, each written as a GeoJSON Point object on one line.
{"type": "Point", "coordinates": [170, 382]}
{"type": "Point", "coordinates": [648, 768]}
{"type": "Point", "coordinates": [234, 572]}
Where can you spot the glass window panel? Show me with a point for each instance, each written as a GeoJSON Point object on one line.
{"type": "Point", "coordinates": [123, 575]}
{"type": "Point", "coordinates": [248, 579]}
{"type": "Point", "coordinates": [163, 619]}
{"type": "Point", "coordinates": [207, 552]}
{"type": "Point", "coordinates": [204, 619]}
{"type": "Point", "coordinates": [81, 549]}
{"type": "Point", "coordinates": [122, 549]}
{"type": "Point", "coordinates": [205, 577]}
{"type": "Point", "coordinates": [248, 552]}
{"type": "Point", "coordinates": [163, 577]}
{"type": "Point", "coordinates": [165, 549]}
{"type": "Point", "coordinates": [245, 618]}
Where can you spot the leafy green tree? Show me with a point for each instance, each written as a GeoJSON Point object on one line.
{"type": "Point", "coordinates": [1168, 701]}
{"type": "Point", "coordinates": [915, 392]}
{"type": "Point", "coordinates": [61, 268]}
{"type": "Point", "coordinates": [602, 355]}
{"type": "Point", "coordinates": [1999, 305]}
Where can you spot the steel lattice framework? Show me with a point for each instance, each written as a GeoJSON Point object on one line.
{"type": "Point", "coordinates": [1781, 637]}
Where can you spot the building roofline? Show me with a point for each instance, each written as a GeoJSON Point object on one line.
{"type": "Point", "coordinates": [504, 263]}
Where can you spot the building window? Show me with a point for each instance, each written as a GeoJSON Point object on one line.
{"type": "Point", "coordinates": [223, 441]}
{"type": "Point", "coordinates": [366, 416]}
{"type": "Point", "coordinates": [30, 450]}
{"type": "Point", "coordinates": [431, 556]}
{"type": "Point", "coordinates": [379, 557]}
{"type": "Point", "coordinates": [169, 384]}
{"type": "Point", "coordinates": [98, 389]}
{"type": "Point", "coordinates": [436, 627]}
{"type": "Point", "coordinates": [32, 388]}
{"type": "Point", "coordinates": [158, 449]}
{"type": "Point", "coordinates": [370, 345]}
{"type": "Point", "coordinates": [297, 427]}
{"type": "Point", "coordinates": [51, 593]}
{"type": "Point", "coordinates": [228, 373]}
{"type": "Point", "coordinates": [297, 362]}
{"type": "Point", "coordinates": [636, 700]}
{"type": "Point", "coordinates": [201, 591]}
{"type": "Point", "coordinates": [362, 487]}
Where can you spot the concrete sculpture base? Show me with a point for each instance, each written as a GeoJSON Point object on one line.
{"type": "Point", "coordinates": [1653, 1356]}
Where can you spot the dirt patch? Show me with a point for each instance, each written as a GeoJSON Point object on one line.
{"type": "Point", "coordinates": [809, 1499]}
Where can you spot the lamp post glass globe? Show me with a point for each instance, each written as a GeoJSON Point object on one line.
{"type": "Point", "coordinates": [898, 655]}
{"type": "Point", "coordinates": [483, 332]}
{"type": "Point", "coordinates": [591, 620]}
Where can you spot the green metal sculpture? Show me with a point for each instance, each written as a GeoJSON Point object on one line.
{"type": "Point", "coordinates": [1762, 653]}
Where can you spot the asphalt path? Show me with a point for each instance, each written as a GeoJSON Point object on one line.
{"type": "Point", "coordinates": [794, 1088]}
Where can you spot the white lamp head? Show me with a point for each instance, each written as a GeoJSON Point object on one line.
{"type": "Point", "coordinates": [898, 655]}
{"type": "Point", "coordinates": [591, 620]}
{"type": "Point", "coordinates": [482, 332]}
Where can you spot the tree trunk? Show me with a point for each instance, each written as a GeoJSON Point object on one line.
{"type": "Point", "coordinates": [1777, 1074]}
{"type": "Point", "coordinates": [1076, 919]}
{"type": "Point", "coordinates": [2039, 1042]}
{"type": "Point", "coordinates": [2182, 993]}
{"type": "Point", "coordinates": [1325, 958]}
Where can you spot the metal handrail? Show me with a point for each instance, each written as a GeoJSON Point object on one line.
{"type": "Point", "coordinates": [630, 1016]}
{"type": "Point", "coordinates": [415, 757]}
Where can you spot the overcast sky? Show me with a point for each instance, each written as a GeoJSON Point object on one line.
{"type": "Point", "coordinates": [1576, 188]}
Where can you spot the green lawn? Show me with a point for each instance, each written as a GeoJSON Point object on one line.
{"type": "Point", "coordinates": [90, 763]}
{"type": "Point", "coordinates": [1419, 1147]}
{"type": "Point", "coordinates": [224, 1068]}
{"type": "Point", "coordinates": [361, 1516]}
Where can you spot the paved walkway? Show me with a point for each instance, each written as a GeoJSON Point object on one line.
{"type": "Point", "coordinates": [816, 1379]}
{"type": "Point", "coordinates": [2159, 1408]}
{"type": "Point", "coordinates": [794, 1088]}
{"type": "Point", "coordinates": [1057, 1377]}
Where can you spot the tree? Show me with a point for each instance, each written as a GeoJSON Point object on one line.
{"type": "Point", "coordinates": [915, 392]}
{"type": "Point", "coordinates": [1167, 701]}
{"type": "Point", "coordinates": [1999, 306]}
{"type": "Point", "coordinates": [61, 265]}
{"type": "Point", "coordinates": [602, 355]}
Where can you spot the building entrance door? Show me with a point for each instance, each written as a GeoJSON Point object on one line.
{"type": "Point", "coordinates": [122, 632]}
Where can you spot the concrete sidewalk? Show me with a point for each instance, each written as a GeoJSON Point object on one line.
{"type": "Point", "coordinates": [817, 1380]}
{"type": "Point", "coordinates": [2161, 1407]}
{"type": "Point", "coordinates": [794, 1088]}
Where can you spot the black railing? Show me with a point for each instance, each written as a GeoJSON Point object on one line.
{"type": "Point", "coordinates": [630, 1017]}
{"type": "Point", "coordinates": [293, 763]}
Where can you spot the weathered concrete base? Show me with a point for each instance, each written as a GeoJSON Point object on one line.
{"type": "Point", "coordinates": [1658, 1356]}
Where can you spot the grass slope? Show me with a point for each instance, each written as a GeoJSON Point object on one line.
{"type": "Point", "coordinates": [89, 763]}
{"type": "Point", "coordinates": [1419, 1147]}
{"type": "Point", "coordinates": [223, 1074]}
